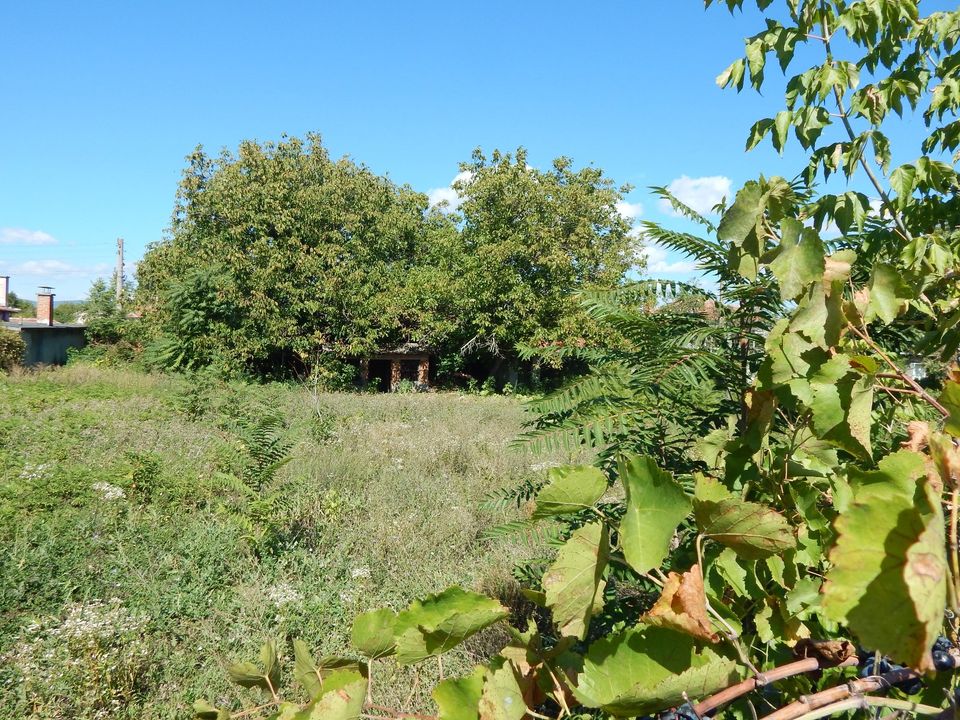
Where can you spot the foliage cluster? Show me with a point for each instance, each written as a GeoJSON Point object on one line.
{"type": "Point", "coordinates": [11, 349]}
{"type": "Point", "coordinates": [281, 257]}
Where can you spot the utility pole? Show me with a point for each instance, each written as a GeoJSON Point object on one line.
{"type": "Point", "coordinates": [119, 273]}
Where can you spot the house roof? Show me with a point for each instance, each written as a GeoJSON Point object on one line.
{"type": "Point", "coordinates": [31, 324]}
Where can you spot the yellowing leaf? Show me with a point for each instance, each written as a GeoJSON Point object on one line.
{"type": "Point", "coordinates": [751, 530]}
{"type": "Point", "coordinates": [574, 584]}
{"type": "Point", "coordinates": [682, 606]}
{"type": "Point", "coordinates": [655, 506]}
{"type": "Point", "coordinates": [502, 697]}
{"type": "Point", "coordinates": [888, 580]}
{"type": "Point", "coordinates": [342, 703]}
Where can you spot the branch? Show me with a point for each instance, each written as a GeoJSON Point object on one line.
{"type": "Point", "coordinates": [884, 196]}
{"type": "Point", "coordinates": [866, 701]}
{"type": "Point", "coordinates": [809, 703]}
{"type": "Point", "coordinates": [901, 375]}
{"type": "Point", "coordinates": [731, 693]}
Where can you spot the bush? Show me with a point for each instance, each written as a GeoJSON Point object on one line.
{"type": "Point", "coordinates": [12, 348]}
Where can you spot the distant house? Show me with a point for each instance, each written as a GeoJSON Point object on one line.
{"type": "Point", "coordinates": [47, 341]}
{"type": "Point", "coordinates": [386, 369]}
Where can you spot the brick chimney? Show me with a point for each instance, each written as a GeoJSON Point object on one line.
{"type": "Point", "coordinates": [4, 289]}
{"type": "Point", "coordinates": [45, 306]}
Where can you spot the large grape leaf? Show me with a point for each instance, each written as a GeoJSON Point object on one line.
{"type": "Point", "coordinates": [800, 260]}
{"type": "Point", "coordinates": [889, 568]}
{"type": "Point", "coordinates": [458, 698]}
{"type": "Point", "coordinates": [344, 702]}
{"type": "Point", "coordinates": [574, 583]}
{"type": "Point", "coordinates": [373, 633]}
{"type": "Point", "coordinates": [438, 623]}
{"type": "Point", "coordinates": [502, 697]}
{"type": "Point", "coordinates": [888, 294]}
{"type": "Point", "coordinates": [655, 506]}
{"type": "Point", "coordinates": [571, 489]}
{"type": "Point", "coordinates": [751, 530]}
{"type": "Point", "coordinates": [646, 669]}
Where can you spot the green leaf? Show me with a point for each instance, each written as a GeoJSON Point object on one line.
{"type": "Point", "coordinates": [655, 506]}
{"type": "Point", "coordinates": [751, 530]}
{"type": "Point", "coordinates": [574, 583]}
{"type": "Point", "coordinates": [571, 489]}
{"type": "Point", "coordinates": [459, 698]}
{"type": "Point", "coordinates": [781, 129]}
{"type": "Point", "coordinates": [888, 294]}
{"type": "Point", "coordinates": [249, 675]}
{"type": "Point", "coordinates": [889, 569]}
{"type": "Point", "coordinates": [373, 633]}
{"type": "Point", "coordinates": [314, 676]}
{"type": "Point", "coordinates": [305, 670]}
{"type": "Point", "coordinates": [646, 669]}
{"type": "Point", "coordinates": [903, 180]}
{"type": "Point", "coordinates": [438, 623]}
{"type": "Point", "coordinates": [341, 703]}
{"type": "Point", "coordinates": [742, 217]}
{"type": "Point", "coordinates": [502, 698]}
{"type": "Point", "coordinates": [800, 261]}
{"type": "Point", "coordinates": [950, 399]}
{"type": "Point", "coordinates": [729, 569]}
{"type": "Point", "coordinates": [202, 710]}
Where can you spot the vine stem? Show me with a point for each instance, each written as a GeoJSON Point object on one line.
{"type": "Point", "coordinates": [865, 701]}
{"type": "Point", "coordinates": [954, 547]}
{"type": "Point", "coordinates": [838, 96]}
{"type": "Point", "coordinates": [809, 703]}
{"type": "Point", "coordinates": [914, 385]}
{"type": "Point", "coordinates": [782, 672]}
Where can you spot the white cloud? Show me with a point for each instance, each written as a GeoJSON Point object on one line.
{"type": "Point", "coordinates": [658, 262]}
{"type": "Point", "coordinates": [22, 236]}
{"type": "Point", "coordinates": [447, 194]}
{"type": "Point", "coordinates": [630, 211]}
{"type": "Point", "coordinates": [700, 193]}
{"type": "Point", "coordinates": [53, 269]}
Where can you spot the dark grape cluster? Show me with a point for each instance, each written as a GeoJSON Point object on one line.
{"type": "Point", "coordinates": [870, 666]}
{"type": "Point", "coordinates": [684, 712]}
{"type": "Point", "coordinates": [942, 659]}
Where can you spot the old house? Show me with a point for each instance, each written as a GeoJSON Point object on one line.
{"type": "Point", "coordinates": [385, 370]}
{"type": "Point", "coordinates": [46, 340]}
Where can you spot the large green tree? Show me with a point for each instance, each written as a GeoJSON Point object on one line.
{"type": "Point", "coordinates": [301, 254]}
{"type": "Point", "coordinates": [531, 240]}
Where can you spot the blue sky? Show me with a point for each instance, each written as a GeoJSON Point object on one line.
{"type": "Point", "coordinates": [102, 101]}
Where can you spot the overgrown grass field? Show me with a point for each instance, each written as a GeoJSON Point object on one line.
{"type": "Point", "coordinates": [156, 528]}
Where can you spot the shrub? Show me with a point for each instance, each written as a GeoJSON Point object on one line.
{"type": "Point", "coordinates": [12, 348]}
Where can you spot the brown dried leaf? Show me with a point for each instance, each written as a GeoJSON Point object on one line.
{"type": "Point", "coordinates": [918, 434]}
{"type": "Point", "coordinates": [683, 606]}
{"type": "Point", "coordinates": [828, 652]}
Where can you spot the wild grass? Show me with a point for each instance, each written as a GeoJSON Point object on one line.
{"type": "Point", "coordinates": [129, 575]}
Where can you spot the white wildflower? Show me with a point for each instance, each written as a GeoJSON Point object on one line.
{"type": "Point", "coordinates": [283, 594]}
{"type": "Point", "coordinates": [108, 491]}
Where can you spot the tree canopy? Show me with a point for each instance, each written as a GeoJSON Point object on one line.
{"type": "Point", "coordinates": [278, 254]}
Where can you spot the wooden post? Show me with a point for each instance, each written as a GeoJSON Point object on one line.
{"type": "Point", "coordinates": [394, 373]}
{"type": "Point", "coordinates": [423, 371]}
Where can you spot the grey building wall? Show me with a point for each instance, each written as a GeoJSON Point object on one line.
{"type": "Point", "coordinates": [49, 345]}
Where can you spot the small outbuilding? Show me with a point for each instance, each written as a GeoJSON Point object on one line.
{"type": "Point", "coordinates": [386, 369]}
{"type": "Point", "coordinates": [47, 342]}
